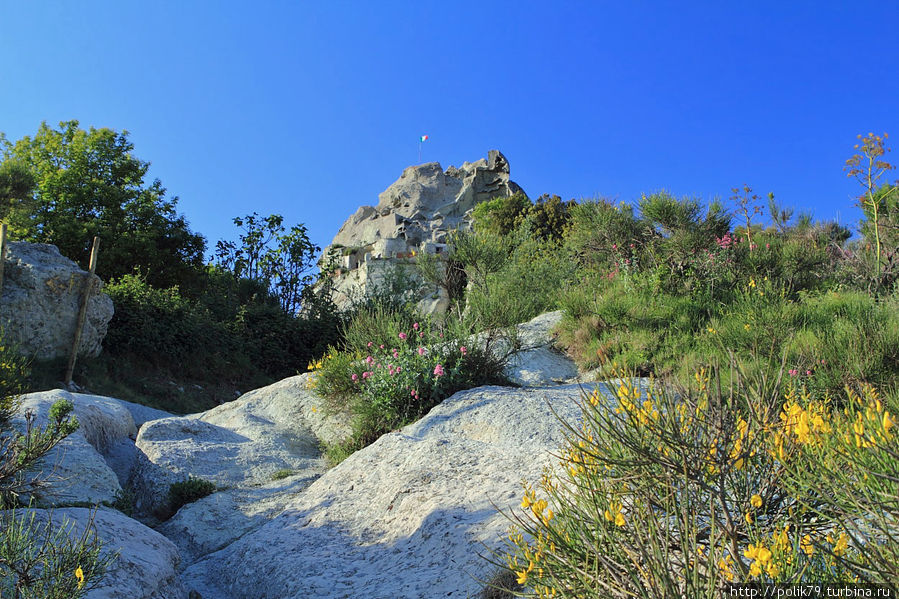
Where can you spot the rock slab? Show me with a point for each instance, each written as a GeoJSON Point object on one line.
{"type": "Point", "coordinates": [240, 444]}
{"type": "Point", "coordinates": [408, 516]}
{"type": "Point", "coordinates": [81, 468]}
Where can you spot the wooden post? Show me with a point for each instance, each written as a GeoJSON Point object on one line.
{"type": "Point", "coordinates": [2, 254]}
{"type": "Point", "coordinates": [82, 312]}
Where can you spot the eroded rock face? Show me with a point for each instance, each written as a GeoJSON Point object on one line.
{"type": "Point", "coordinates": [539, 362]}
{"type": "Point", "coordinates": [239, 444]}
{"type": "Point", "coordinates": [413, 215]}
{"type": "Point", "coordinates": [408, 516]}
{"type": "Point", "coordinates": [79, 469]}
{"type": "Point", "coordinates": [41, 297]}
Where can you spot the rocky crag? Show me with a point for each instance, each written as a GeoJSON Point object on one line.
{"type": "Point", "coordinates": [408, 516]}
{"type": "Point", "coordinates": [413, 216]}
{"type": "Point", "coordinates": [42, 292]}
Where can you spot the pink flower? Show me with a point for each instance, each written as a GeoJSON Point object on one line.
{"type": "Point", "coordinates": [421, 351]}
{"type": "Point", "coordinates": [464, 350]}
{"type": "Point", "coordinates": [370, 344]}
{"type": "Point", "coordinates": [614, 246]}
{"type": "Point", "coordinates": [438, 371]}
{"type": "Point", "coordinates": [366, 374]}
{"type": "Point", "coordinates": [403, 336]}
{"type": "Point", "coordinates": [399, 369]}
{"type": "Point", "coordinates": [421, 335]}
{"type": "Point", "coordinates": [808, 372]}
{"type": "Point", "coordinates": [415, 326]}
{"type": "Point", "coordinates": [413, 393]}
{"type": "Point", "coordinates": [767, 246]}
{"type": "Point", "coordinates": [381, 346]}
{"type": "Point", "coordinates": [355, 377]}
{"type": "Point", "coordinates": [396, 354]}
{"type": "Point", "coordinates": [793, 372]}
{"type": "Point", "coordinates": [369, 360]}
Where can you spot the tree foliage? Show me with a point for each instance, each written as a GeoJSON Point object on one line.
{"type": "Point", "coordinates": [270, 254]}
{"type": "Point", "coordinates": [88, 183]}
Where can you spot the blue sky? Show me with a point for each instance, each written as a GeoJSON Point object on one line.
{"type": "Point", "coordinates": [310, 109]}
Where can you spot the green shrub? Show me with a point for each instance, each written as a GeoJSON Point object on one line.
{"type": "Point", "coordinates": [391, 385]}
{"type": "Point", "coordinates": [676, 491]}
{"type": "Point", "coordinates": [282, 474]}
{"type": "Point", "coordinates": [187, 491]}
{"type": "Point", "coordinates": [45, 561]}
{"type": "Point", "coordinates": [37, 560]}
{"type": "Point", "coordinates": [500, 216]}
{"type": "Point", "coordinates": [526, 285]}
{"type": "Point", "coordinates": [14, 374]}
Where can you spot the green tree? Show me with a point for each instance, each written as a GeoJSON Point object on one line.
{"type": "Point", "coordinates": [16, 188]}
{"type": "Point", "coordinates": [267, 252]}
{"type": "Point", "coordinates": [88, 183]}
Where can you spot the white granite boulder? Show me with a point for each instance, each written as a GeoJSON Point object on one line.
{"type": "Point", "coordinates": [77, 470]}
{"type": "Point", "coordinates": [239, 444]}
{"type": "Point", "coordinates": [407, 516]}
{"type": "Point", "coordinates": [42, 292]}
{"type": "Point", "coordinates": [539, 362]}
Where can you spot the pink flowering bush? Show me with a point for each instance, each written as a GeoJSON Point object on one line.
{"type": "Point", "coordinates": [387, 386]}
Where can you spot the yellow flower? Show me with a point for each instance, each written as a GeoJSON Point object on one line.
{"type": "Point", "coordinates": [806, 545]}
{"type": "Point", "coordinates": [772, 570]}
{"type": "Point", "coordinates": [756, 501]}
{"type": "Point", "coordinates": [747, 326]}
{"type": "Point", "coordinates": [755, 569]}
{"type": "Point", "coordinates": [842, 543]}
{"type": "Point", "coordinates": [751, 283]}
{"type": "Point", "coordinates": [888, 422]}
{"type": "Point", "coordinates": [751, 551]}
{"type": "Point", "coordinates": [79, 575]}
{"type": "Point", "coordinates": [522, 576]}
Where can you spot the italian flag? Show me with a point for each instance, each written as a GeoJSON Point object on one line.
{"type": "Point", "coordinates": [423, 138]}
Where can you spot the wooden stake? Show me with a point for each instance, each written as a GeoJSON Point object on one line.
{"type": "Point", "coordinates": [2, 254]}
{"type": "Point", "coordinates": [82, 312]}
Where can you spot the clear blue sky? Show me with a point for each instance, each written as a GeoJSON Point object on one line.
{"type": "Point", "coordinates": [310, 109]}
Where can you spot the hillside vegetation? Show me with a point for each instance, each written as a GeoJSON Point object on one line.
{"type": "Point", "coordinates": [762, 447]}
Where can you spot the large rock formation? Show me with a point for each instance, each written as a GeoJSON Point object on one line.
{"type": "Point", "coordinates": [413, 215]}
{"type": "Point", "coordinates": [237, 445]}
{"type": "Point", "coordinates": [409, 516]}
{"type": "Point", "coordinates": [41, 297]}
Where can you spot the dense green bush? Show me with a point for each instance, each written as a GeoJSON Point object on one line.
{"type": "Point", "coordinates": [388, 385]}
{"type": "Point", "coordinates": [234, 335]}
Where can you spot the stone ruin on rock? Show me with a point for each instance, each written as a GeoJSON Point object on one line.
{"type": "Point", "coordinates": [414, 215]}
